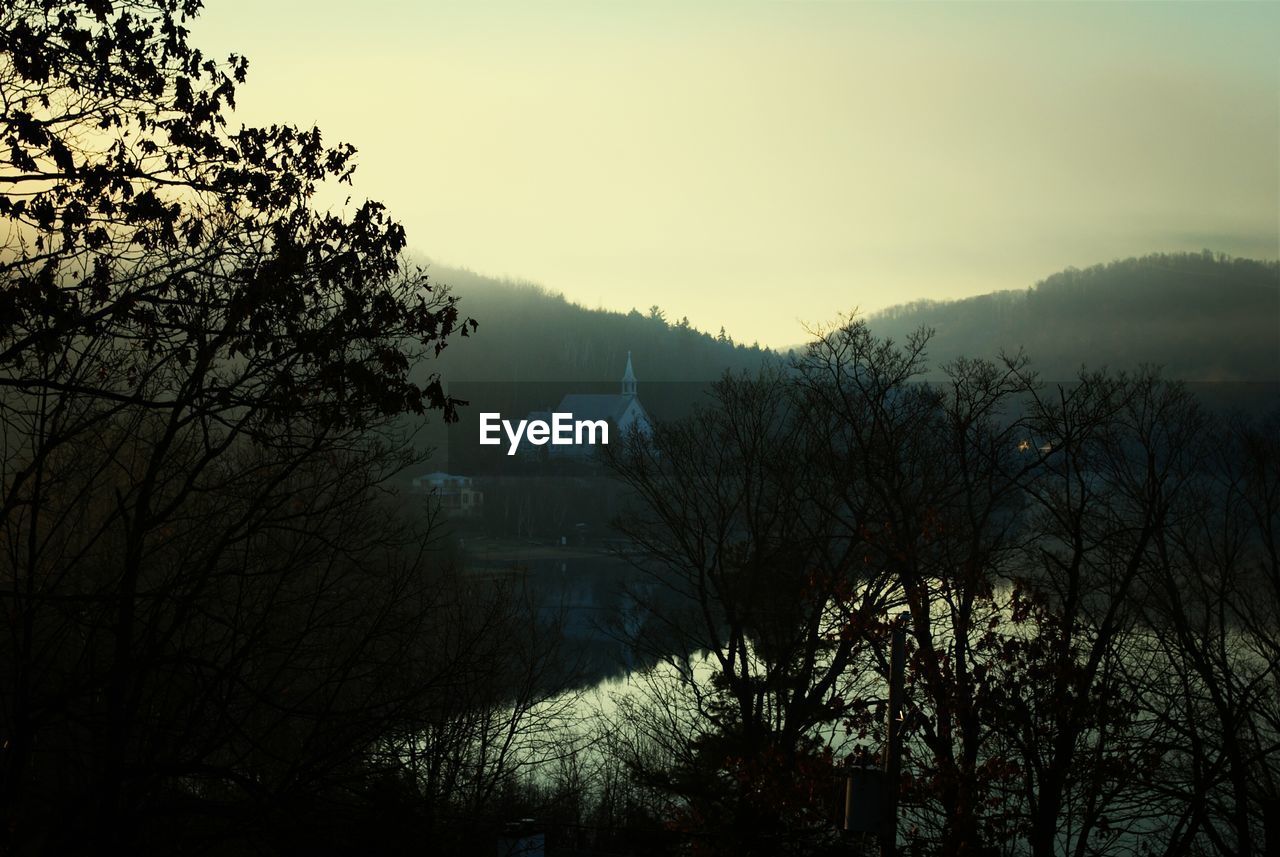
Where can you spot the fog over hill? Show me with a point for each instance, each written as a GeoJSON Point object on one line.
{"type": "Point", "coordinates": [533, 346]}
{"type": "Point", "coordinates": [529, 333]}
{"type": "Point", "coordinates": [1202, 317]}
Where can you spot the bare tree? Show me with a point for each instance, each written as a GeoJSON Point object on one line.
{"type": "Point", "coordinates": [763, 600]}
{"type": "Point", "coordinates": [198, 373]}
{"type": "Point", "coordinates": [927, 481]}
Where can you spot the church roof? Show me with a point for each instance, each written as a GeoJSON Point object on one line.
{"type": "Point", "coordinates": [595, 406]}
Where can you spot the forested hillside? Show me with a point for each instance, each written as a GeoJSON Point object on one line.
{"type": "Point", "coordinates": [528, 333]}
{"type": "Point", "coordinates": [1202, 317]}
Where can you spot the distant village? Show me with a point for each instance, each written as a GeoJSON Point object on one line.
{"type": "Point", "coordinates": [545, 501]}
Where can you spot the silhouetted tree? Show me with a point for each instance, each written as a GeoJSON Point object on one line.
{"type": "Point", "coordinates": [197, 372]}
{"type": "Point", "coordinates": [1088, 575]}
{"type": "Point", "coordinates": [776, 609]}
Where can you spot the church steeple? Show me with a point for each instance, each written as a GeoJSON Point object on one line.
{"type": "Point", "coordinates": [629, 379]}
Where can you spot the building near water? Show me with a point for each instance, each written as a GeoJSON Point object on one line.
{"type": "Point", "coordinates": [623, 411]}
{"type": "Point", "coordinates": [455, 494]}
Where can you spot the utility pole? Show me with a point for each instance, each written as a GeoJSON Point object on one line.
{"type": "Point", "coordinates": [893, 746]}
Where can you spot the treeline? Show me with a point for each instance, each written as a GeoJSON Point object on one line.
{"type": "Point", "coordinates": [528, 333]}
{"type": "Point", "coordinates": [1200, 316]}
{"type": "Point", "coordinates": [221, 636]}
{"type": "Point", "coordinates": [533, 346]}
{"type": "Point", "coordinates": [218, 635]}
{"type": "Point", "coordinates": [1086, 576]}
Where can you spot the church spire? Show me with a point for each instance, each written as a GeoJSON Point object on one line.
{"type": "Point", "coordinates": [629, 379]}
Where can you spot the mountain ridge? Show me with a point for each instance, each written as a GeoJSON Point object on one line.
{"type": "Point", "coordinates": [1201, 316]}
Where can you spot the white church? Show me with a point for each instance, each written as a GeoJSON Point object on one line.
{"type": "Point", "coordinates": [623, 412]}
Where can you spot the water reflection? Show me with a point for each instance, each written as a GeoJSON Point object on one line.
{"type": "Point", "coordinates": [598, 600]}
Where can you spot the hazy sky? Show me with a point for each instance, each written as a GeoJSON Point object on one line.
{"type": "Point", "coordinates": [760, 165]}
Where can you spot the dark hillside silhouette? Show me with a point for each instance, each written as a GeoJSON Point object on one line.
{"type": "Point", "coordinates": [530, 333]}
{"type": "Point", "coordinates": [534, 346]}
{"type": "Point", "coordinates": [1201, 316]}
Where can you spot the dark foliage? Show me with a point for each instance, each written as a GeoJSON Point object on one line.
{"type": "Point", "coordinates": [1201, 317]}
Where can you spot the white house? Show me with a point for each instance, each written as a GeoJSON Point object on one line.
{"type": "Point", "coordinates": [454, 493]}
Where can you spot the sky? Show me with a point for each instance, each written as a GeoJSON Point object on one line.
{"type": "Point", "coordinates": [767, 166]}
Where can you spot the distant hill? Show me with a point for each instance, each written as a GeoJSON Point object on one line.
{"type": "Point", "coordinates": [533, 346]}
{"type": "Point", "coordinates": [528, 333]}
{"type": "Point", "coordinates": [1202, 317]}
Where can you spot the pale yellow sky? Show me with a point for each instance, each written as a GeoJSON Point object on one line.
{"type": "Point", "coordinates": [762, 165]}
